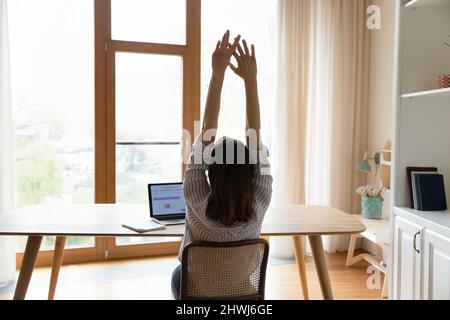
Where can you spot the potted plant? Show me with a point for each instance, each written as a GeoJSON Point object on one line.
{"type": "Point", "coordinates": [371, 195]}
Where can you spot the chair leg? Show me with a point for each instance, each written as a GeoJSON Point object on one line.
{"type": "Point", "coordinates": [58, 255]}
{"type": "Point", "coordinates": [26, 270]}
{"type": "Point", "coordinates": [300, 257]}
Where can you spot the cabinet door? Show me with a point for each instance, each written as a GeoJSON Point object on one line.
{"type": "Point", "coordinates": [436, 266]}
{"type": "Point", "coordinates": [407, 260]}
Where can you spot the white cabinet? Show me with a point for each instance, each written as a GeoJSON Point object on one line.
{"type": "Point", "coordinates": [436, 267]}
{"type": "Point", "coordinates": [420, 241]}
{"type": "Point", "coordinates": [421, 255]}
{"type": "Point", "coordinates": [407, 260]}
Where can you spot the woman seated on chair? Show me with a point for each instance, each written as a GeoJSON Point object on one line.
{"type": "Point", "coordinates": [231, 206]}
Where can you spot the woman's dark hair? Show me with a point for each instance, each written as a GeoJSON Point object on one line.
{"type": "Point", "coordinates": [231, 179]}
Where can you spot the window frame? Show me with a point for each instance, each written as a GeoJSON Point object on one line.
{"type": "Point", "coordinates": [105, 130]}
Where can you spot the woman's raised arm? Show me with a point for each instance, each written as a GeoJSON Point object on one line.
{"type": "Point", "coordinates": [220, 61]}
{"type": "Point", "coordinates": [247, 70]}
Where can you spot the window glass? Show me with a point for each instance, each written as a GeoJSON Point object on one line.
{"type": "Point", "coordinates": [52, 74]}
{"type": "Point", "coordinates": [156, 21]}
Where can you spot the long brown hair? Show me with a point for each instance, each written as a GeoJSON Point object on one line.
{"type": "Point", "coordinates": [231, 179]}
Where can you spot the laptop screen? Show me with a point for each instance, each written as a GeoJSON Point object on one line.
{"type": "Point", "coordinates": [166, 200]}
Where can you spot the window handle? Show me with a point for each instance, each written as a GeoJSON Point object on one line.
{"type": "Point", "coordinates": [414, 242]}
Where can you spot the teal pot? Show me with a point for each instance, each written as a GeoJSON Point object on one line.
{"type": "Point", "coordinates": [372, 207]}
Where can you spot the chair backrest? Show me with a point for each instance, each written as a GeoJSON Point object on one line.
{"type": "Point", "coordinates": [226, 270]}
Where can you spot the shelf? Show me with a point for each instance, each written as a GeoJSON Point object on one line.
{"type": "Point", "coordinates": [377, 230]}
{"type": "Point", "coordinates": [427, 3]}
{"type": "Point", "coordinates": [383, 161]}
{"type": "Point", "coordinates": [386, 163]}
{"type": "Point", "coordinates": [438, 93]}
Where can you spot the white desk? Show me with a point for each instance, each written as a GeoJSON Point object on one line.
{"type": "Point", "coordinates": [377, 232]}
{"type": "Point", "coordinates": [105, 220]}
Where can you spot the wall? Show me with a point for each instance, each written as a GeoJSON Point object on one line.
{"type": "Point", "coordinates": [382, 49]}
{"type": "Point", "coordinates": [381, 87]}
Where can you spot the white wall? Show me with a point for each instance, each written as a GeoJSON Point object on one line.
{"type": "Point", "coordinates": [381, 84]}
{"type": "Point", "coordinates": [381, 66]}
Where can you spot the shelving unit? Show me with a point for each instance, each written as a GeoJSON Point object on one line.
{"type": "Point", "coordinates": [427, 3]}
{"type": "Point", "coordinates": [438, 93]}
{"type": "Point", "coordinates": [386, 164]}
{"type": "Point", "coordinates": [386, 157]}
{"type": "Point", "coordinates": [420, 241]}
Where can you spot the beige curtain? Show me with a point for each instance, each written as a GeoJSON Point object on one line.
{"type": "Point", "coordinates": [7, 248]}
{"type": "Point", "coordinates": [322, 104]}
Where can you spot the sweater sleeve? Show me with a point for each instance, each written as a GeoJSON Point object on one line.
{"type": "Point", "coordinates": [263, 179]}
{"type": "Point", "coordinates": [196, 188]}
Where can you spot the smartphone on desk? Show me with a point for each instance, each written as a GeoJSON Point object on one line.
{"type": "Point", "coordinates": [170, 222]}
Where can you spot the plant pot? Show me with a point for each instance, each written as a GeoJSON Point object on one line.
{"type": "Point", "coordinates": [372, 207]}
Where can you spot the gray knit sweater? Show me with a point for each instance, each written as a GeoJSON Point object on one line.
{"type": "Point", "coordinates": [197, 191]}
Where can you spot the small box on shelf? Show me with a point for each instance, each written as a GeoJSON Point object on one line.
{"type": "Point", "coordinates": [443, 81]}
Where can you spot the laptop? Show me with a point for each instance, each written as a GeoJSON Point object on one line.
{"type": "Point", "coordinates": [167, 204]}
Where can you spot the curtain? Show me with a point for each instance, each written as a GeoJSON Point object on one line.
{"type": "Point", "coordinates": [323, 78]}
{"type": "Point", "coordinates": [7, 249]}
{"type": "Point", "coordinates": [289, 141]}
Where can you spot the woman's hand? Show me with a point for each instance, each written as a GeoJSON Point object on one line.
{"type": "Point", "coordinates": [222, 55]}
{"type": "Point", "coordinates": [247, 67]}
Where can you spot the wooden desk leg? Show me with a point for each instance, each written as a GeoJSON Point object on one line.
{"type": "Point", "coordinates": [300, 257]}
{"type": "Point", "coordinates": [384, 291]}
{"type": "Point", "coordinates": [351, 259]}
{"type": "Point", "coordinates": [26, 270]}
{"type": "Point", "coordinates": [321, 266]}
{"type": "Point", "coordinates": [57, 261]}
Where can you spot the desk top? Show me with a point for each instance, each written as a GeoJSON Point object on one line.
{"type": "Point", "coordinates": [106, 220]}
{"type": "Point", "coordinates": [377, 230]}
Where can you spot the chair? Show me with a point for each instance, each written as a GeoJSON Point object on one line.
{"type": "Point", "coordinates": [224, 271]}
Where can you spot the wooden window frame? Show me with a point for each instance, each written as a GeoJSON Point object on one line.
{"type": "Point", "coordinates": [105, 135]}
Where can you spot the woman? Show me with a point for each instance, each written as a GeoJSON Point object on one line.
{"type": "Point", "coordinates": [231, 206]}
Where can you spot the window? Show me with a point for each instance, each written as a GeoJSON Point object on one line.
{"type": "Point", "coordinates": [61, 78]}
{"type": "Point", "coordinates": [124, 74]}
{"type": "Point", "coordinates": [154, 21]}
{"type": "Point", "coordinates": [149, 122]}
{"type": "Point", "coordinates": [52, 70]}
{"type": "Point", "coordinates": [62, 82]}
{"type": "Point", "coordinates": [152, 94]}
